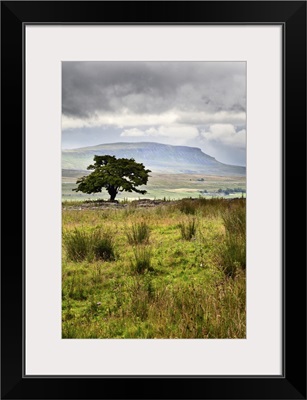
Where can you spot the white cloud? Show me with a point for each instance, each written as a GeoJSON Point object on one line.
{"type": "Point", "coordinates": [180, 133]}
{"type": "Point", "coordinates": [123, 118]}
{"type": "Point", "coordinates": [119, 119]}
{"type": "Point", "coordinates": [132, 132]}
{"type": "Point", "coordinates": [225, 134]}
{"type": "Point", "coordinates": [204, 118]}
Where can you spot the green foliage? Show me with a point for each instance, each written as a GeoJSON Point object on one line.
{"type": "Point", "coordinates": [115, 175]}
{"type": "Point", "coordinates": [188, 229]}
{"type": "Point", "coordinates": [139, 233]}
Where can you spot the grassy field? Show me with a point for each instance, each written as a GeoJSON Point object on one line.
{"type": "Point", "coordinates": [176, 270]}
{"type": "Point", "coordinates": [169, 186]}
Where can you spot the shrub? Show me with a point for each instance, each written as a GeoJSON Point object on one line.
{"type": "Point", "coordinates": [188, 229]}
{"type": "Point", "coordinates": [139, 233]}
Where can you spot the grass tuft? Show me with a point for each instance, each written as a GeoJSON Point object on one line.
{"type": "Point", "coordinates": [188, 229]}
{"type": "Point", "coordinates": [142, 259]}
{"type": "Point", "coordinates": [139, 233]}
{"type": "Point", "coordinates": [101, 245]}
{"type": "Point", "coordinates": [234, 254]}
{"type": "Point", "coordinates": [81, 245]}
{"type": "Point", "coordinates": [76, 244]}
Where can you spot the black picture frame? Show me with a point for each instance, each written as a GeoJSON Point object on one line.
{"type": "Point", "coordinates": [292, 16]}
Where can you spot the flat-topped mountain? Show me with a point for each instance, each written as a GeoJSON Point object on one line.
{"type": "Point", "coordinates": [157, 157]}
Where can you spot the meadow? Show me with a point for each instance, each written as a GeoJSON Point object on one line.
{"type": "Point", "coordinates": [170, 270]}
{"type": "Point", "coordinates": [169, 186]}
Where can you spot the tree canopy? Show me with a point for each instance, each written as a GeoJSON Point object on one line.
{"type": "Point", "coordinates": [115, 175]}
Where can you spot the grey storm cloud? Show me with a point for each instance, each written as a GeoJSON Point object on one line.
{"type": "Point", "coordinates": [91, 88]}
{"type": "Point", "coordinates": [184, 103]}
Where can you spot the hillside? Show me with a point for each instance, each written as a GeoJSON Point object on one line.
{"type": "Point", "coordinates": [157, 157]}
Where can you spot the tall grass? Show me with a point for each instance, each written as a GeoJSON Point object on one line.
{"type": "Point", "coordinates": [188, 229]}
{"type": "Point", "coordinates": [191, 288]}
{"type": "Point", "coordinates": [81, 245]}
{"type": "Point", "coordinates": [101, 246]}
{"type": "Point", "coordinates": [187, 206]}
{"type": "Point", "coordinates": [139, 233]}
{"type": "Point", "coordinates": [235, 221]}
{"type": "Point", "coordinates": [142, 259]}
{"type": "Point", "coordinates": [76, 244]}
{"type": "Point", "coordinates": [177, 311]}
{"type": "Point", "coordinates": [142, 297]}
{"type": "Point", "coordinates": [205, 207]}
{"type": "Point", "coordinates": [234, 254]}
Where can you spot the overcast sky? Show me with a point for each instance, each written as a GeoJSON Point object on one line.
{"type": "Point", "coordinates": [200, 104]}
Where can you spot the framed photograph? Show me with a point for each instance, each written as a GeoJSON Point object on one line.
{"type": "Point", "coordinates": [153, 157]}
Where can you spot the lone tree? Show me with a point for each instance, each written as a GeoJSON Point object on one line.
{"type": "Point", "coordinates": [115, 175]}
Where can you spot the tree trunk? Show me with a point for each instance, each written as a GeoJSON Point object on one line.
{"type": "Point", "coordinates": [112, 192]}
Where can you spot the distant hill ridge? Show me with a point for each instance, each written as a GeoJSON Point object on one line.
{"type": "Point", "coordinates": [157, 157]}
